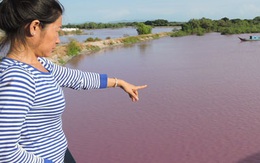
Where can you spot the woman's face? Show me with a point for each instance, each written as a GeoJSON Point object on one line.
{"type": "Point", "coordinates": [49, 38]}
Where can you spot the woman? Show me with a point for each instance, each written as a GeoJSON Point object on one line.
{"type": "Point", "coordinates": [31, 99]}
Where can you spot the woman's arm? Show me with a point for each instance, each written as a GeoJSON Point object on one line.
{"type": "Point", "coordinates": [77, 79]}
{"type": "Point", "coordinates": [131, 89]}
{"type": "Point", "coordinates": [73, 78]}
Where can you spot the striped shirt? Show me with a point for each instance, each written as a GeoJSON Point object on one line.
{"type": "Point", "coordinates": [31, 105]}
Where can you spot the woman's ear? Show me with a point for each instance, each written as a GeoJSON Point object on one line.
{"type": "Point", "coordinates": [34, 27]}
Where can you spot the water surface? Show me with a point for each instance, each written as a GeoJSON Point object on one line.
{"type": "Point", "coordinates": [202, 104]}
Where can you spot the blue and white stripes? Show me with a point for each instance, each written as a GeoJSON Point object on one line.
{"type": "Point", "coordinates": [74, 78]}
{"type": "Point", "coordinates": [31, 105]}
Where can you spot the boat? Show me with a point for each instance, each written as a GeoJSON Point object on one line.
{"type": "Point", "coordinates": [251, 38]}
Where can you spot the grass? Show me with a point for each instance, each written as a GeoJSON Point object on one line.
{"type": "Point", "coordinates": [92, 48]}
{"type": "Point", "coordinates": [131, 40]}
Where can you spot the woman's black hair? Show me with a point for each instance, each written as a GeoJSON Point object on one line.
{"type": "Point", "coordinates": [16, 15]}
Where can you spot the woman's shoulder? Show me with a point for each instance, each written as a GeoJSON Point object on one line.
{"type": "Point", "coordinates": [10, 66]}
{"type": "Point", "coordinates": [16, 76]}
{"type": "Point", "coordinates": [46, 63]}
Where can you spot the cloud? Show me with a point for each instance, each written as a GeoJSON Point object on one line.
{"type": "Point", "coordinates": [108, 14]}
{"type": "Point", "coordinates": [249, 10]}
{"type": "Point", "coordinates": [173, 10]}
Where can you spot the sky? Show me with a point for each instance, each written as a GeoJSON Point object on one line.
{"type": "Point", "coordinates": [107, 11]}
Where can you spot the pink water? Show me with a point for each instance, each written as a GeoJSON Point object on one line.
{"type": "Point", "coordinates": [202, 104]}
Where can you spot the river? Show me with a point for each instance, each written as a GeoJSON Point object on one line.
{"type": "Point", "coordinates": [202, 104]}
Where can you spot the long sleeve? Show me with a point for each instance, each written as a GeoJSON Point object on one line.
{"type": "Point", "coordinates": [17, 91]}
{"type": "Point", "coordinates": [76, 79]}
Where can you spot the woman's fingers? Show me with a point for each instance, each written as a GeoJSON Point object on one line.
{"type": "Point", "coordinates": [134, 94]}
{"type": "Point", "coordinates": [141, 87]}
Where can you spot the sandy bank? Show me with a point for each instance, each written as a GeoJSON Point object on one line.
{"type": "Point", "coordinates": [60, 54]}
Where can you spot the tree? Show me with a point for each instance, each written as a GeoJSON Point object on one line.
{"type": "Point", "coordinates": [143, 29]}
{"type": "Point", "coordinates": [161, 22]}
{"type": "Point", "coordinates": [207, 24]}
{"type": "Point", "coordinates": [148, 22]}
{"type": "Point", "coordinates": [256, 20]}
{"type": "Point", "coordinates": [195, 23]}
{"type": "Point", "coordinates": [158, 22]}
{"type": "Point", "coordinates": [225, 19]}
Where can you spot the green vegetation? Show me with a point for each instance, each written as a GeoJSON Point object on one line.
{"type": "Point", "coordinates": [93, 25]}
{"type": "Point", "coordinates": [143, 29]}
{"type": "Point", "coordinates": [198, 27]}
{"type": "Point", "coordinates": [223, 26]}
{"type": "Point", "coordinates": [156, 36]}
{"type": "Point", "coordinates": [159, 22]}
{"type": "Point", "coordinates": [73, 48]}
{"type": "Point", "coordinates": [77, 32]}
{"type": "Point", "coordinates": [131, 40]}
{"type": "Point", "coordinates": [135, 39]}
{"type": "Point", "coordinates": [91, 39]}
{"type": "Point", "coordinates": [92, 48]}
{"type": "Point", "coordinates": [61, 62]}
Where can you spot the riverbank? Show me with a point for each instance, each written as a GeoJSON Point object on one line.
{"type": "Point", "coordinates": [60, 55]}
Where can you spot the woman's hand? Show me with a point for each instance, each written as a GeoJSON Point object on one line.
{"type": "Point", "coordinates": [131, 89]}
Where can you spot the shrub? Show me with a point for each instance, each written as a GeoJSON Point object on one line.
{"type": "Point", "coordinates": [143, 29]}
{"type": "Point", "coordinates": [73, 48]}
{"type": "Point", "coordinates": [91, 39]}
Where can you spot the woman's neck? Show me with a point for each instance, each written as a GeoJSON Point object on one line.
{"type": "Point", "coordinates": [26, 57]}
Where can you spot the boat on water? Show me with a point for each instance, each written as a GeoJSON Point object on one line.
{"type": "Point", "coordinates": [251, 38]}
